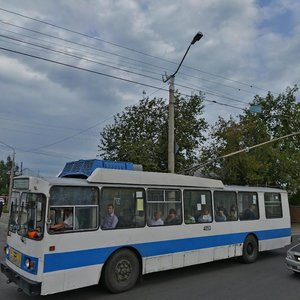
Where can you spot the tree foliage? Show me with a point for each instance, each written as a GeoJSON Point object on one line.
{"type": "Point", "coordinates": [5, 169]}
{"type": "Point", "coordinates": [275, 164]}
{"type": "Point", "coordinates": [140, 133]}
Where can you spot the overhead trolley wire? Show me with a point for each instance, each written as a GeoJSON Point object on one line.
{"type": "Point", "coordinates": [124, 57]}
{"type": "Point", "coordinates": [103, 74]}
{"type": "Point", "coordinates": [114, 67]}
{"type": "Point", "coordinates": [127, 48]}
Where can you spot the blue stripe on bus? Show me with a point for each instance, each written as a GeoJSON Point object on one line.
{"type": "Point", "coordinates": [83, 258]}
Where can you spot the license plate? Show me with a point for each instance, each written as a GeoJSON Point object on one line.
{"type": "Point", "coordinates": [15, 257]}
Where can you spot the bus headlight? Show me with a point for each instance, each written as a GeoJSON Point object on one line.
{"type": "Point", "coordinates": [7, 251]}
{"type": "Point", "coordinates": [29, 263]}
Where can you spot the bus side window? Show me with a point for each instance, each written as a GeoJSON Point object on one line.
{"type": "Point", "coordinates": [273, 205]}
{"type": "Point", "coordinates": [225, 204]}
{"type": "Point", "coordinates": [164, 207]}
{"type": "Point", "coordinates": [197, 206]}
{"type": "Point", "coordinates": [248, 206]}
{"type": "Point", "coordinates": [128, 207]}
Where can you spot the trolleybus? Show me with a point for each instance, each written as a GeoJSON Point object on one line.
{"type": "Point", "coordinates": [163, 221]}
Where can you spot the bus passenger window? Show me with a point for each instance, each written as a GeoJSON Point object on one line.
{"type": "Point", "coordinates": [164, 207]}
{"type": "Point", "coordinates": [273, 205]}
{"type": "Point", "coordinates": [225, 206]}
{"type": "Point", "coordinates": [197, 206]}
{"type": "Point", "coordinates": [122, 208]}
{"type": "Point", "coordinates": [248, 206]}
{"type": "Point", "coordinates": [85, 218]}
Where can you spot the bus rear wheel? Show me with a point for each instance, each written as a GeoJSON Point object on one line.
{"type": "Point", "coordinates": [122, 271]}
{"type": "Point", "coordinates": [250, 250]}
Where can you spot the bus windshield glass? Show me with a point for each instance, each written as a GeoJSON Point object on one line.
{"type": "Point", "coordinates": [14, 211]}
{"type": "Point", "coordinates": [28, 214]}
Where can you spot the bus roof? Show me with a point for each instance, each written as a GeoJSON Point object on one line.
{"type": "Point", "coordinates": [151, 178]}
{"type": "Point", "coordinates": [246, 188]}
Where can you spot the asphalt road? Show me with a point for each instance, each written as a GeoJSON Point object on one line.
{"type": "Point", "coordinates": [266, 279]}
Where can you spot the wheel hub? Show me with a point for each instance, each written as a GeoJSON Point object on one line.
{"type": "Point", "coordinates": [123, 270]}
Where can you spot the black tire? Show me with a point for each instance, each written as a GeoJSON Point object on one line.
{"type": "Point", "coordinates": [250, 250]}
{"type": "Point", "coordinates": [122, 271]}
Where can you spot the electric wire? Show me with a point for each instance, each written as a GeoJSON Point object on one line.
{"type": "Point", "coordinates": [127, 48]}
{"type": "Point", "coordinates": [114, 67]}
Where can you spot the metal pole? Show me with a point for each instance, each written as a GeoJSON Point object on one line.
{"type": "Point", "coordinates": [11, 177]}
{"type": "Point", "coordinates": [171, 139]}
{"type": "Point", "coordinates": [171, 153]}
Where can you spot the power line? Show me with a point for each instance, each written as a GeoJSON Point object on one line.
{"type": "Point", "coordinates": [127, 58]}
{"type": "Point", "coordinates": [78, 57]}
{"type": "Point", "coordinates": [80, 68]}
{"type": "Point", "coordinates": [103, 74]}
{"type": "Point", "coordinates": [107, 65]}
{"type": "Point", "coordinates": [127, 48]}
{"type": "Point", "coordinates": [97, 73]}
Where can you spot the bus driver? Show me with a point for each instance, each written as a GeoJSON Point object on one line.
{"type": "Point", "coordinates": [67, 223]}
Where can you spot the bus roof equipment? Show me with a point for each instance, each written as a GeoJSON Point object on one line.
{"type": "Point", "coordinates": [84, 168]}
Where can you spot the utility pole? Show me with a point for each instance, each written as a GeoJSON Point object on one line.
{"type": "Point", "coordinates": [171, 138]}
{"type": "Point", "coordinates": [11, 175]}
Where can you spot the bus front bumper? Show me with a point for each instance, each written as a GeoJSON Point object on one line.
{"type": "Point", "coordinates": [29, 287]}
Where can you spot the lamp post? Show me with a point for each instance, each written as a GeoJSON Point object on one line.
{"type": "Point", "coordinates": [171, 139]}
{"type": "Point", "coordinates": [11, 170]}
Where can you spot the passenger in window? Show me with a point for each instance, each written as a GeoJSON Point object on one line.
{"type": "Point", "coordinates": [188, 218]}
{"type": "Point", "coordinates": [172, 218]}
{"type": "Point", "coordinates": [223, 209]}
{"type": "Point", "coordinates": [205, 216]}
{"type": "Point", "coordinates": [250, 213]}
{"type": "Point", "coordinates": [111, 220]}
{"type": "Point", "coordinates": [156, 220]}
{"type": "Point", "coordinates": [233, 213]}
{"type": "Point", "coordinates": [220, 215]}
{"type": "Point", "coordinates": [67, 223]}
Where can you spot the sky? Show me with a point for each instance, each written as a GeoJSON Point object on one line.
{"type": "Point", "coordinates": [67, 67]}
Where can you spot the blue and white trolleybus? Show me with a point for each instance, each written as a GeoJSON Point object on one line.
{"type": "Point", "coordinates": [157, 221]}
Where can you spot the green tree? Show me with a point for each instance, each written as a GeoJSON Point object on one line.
{"type": "Point", "coordinates": [277, 163]}
{"type": "Point", "coordinates": [140, 133]}
{"type": "Point", "coordinates": [5, 168]}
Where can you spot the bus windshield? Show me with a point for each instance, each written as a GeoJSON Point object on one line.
{"type": "Point", "coordinates": [27, 215]}
{"type": "Point", "coordinates": [14, 211]}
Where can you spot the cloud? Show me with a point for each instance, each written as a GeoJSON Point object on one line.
{"type": "Point", "coordinates": [248, 48]}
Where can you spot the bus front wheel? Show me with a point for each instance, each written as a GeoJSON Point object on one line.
{"type": "Point", "coordinates": [250, 250]}
{"type": "Point", "coordinates": [122, 271]}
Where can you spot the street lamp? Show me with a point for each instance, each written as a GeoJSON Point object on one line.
{"type": "Point", "coordinates": [11, 170]}
{"type": "Point", "coordinates": [171, 139]}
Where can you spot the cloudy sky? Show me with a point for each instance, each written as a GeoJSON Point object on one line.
{"type": "Point", "coordinates": [66, 67]}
